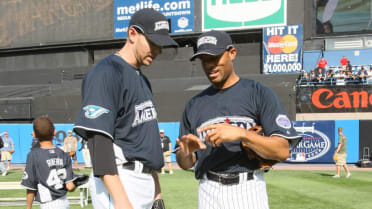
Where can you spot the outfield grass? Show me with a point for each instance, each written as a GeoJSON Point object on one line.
{"type": "Point", "coordinates": [287, 190]}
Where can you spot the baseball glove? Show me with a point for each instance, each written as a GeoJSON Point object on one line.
{"type": "Point", "coordinates": [264, 164]}
{"type": "Point", "coordinates": [80, 179]}
{"type": "Point", "coordinates": [71, 153]}
{"type": "Point", "coordinates": [335, 157]}
{"type": "Point", "coordinates": [158, 204]}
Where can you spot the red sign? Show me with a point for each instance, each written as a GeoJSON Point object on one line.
{"type": "Point", "coordinates": [335, 99]}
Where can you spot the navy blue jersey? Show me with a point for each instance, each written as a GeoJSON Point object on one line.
{"type": "Point", "coordinates": [47, 171]}
{"type": "Point", "coordinates": [245, 104]}
{"type": "Point", "coordinates": [117, 102]}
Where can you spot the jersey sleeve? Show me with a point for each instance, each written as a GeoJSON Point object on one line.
{"type": "Point", "coordinates": [28, 178]}
{"type": "Point", "coordinates": [100, 92]}
{"type": "Point", "coordinates": [273, 118]}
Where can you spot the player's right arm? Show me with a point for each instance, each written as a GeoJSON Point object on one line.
{"type": "Point", "coordinates": [187, 146]}
{"type": "Point", "coordinates": [29, 198]}
{"type": "Point", "coordinates": [104, 166]}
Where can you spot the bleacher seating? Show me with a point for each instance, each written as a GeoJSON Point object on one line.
{"type": "Point", "coordinates": [337, 79]}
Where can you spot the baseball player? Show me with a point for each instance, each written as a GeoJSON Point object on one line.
{"type": "Point", "coordinates": [119, 119]}
{"type": "Point", "coordinates": [215, 124]}
{"type": "Point", "coordinates": [48, 174]}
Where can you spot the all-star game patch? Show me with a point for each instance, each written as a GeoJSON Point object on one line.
{"type": "Point", "coordinates": [283, 121]}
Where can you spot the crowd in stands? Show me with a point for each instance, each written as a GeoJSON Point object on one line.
{"type": "Point", "coordinates": [337, 75]}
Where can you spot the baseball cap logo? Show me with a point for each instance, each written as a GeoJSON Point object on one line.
{"type": "Point", "coordinates": [207, 40]}
{"type": "Point", "coordinates": [160, 25]}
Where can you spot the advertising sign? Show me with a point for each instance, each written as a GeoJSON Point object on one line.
{"type": "Point", "coordinates": [317, 144]}
{"type": "Point", "coordinates": [180, 13]}
{"type": "Point", "coordinates": [239, 14]}
{"type": "Point", "coordinates": [334, 99]}
{"type": "Point", "coordinates": [282, 49]}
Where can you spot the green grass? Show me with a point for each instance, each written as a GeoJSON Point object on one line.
{"type": "Point", "coordinates": [287, 190]}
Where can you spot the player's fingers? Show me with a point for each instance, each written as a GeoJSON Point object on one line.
{"type": "Point", "coordinates": [206, 128]}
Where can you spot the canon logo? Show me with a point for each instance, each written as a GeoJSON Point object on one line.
{"type": "Point", "coordinates": [325, 98]}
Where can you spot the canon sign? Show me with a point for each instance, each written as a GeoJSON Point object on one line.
{"type": "Point", "coordinates": [325, 98]}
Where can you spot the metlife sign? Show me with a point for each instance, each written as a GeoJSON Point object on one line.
{"type": "Point", "coordinates": [240, 14]}
{"type": "Point", "coordinates": [179, 12]}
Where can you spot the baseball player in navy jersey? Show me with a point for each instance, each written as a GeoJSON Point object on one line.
{"type": "Point", "coordinates": [215, 124]}
{"type": "Point", "coordinates": [119, 119]}
{"type": "Point", "coordinates": [48, 174]}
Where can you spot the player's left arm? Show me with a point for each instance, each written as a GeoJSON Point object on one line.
{"type": "Point", "coordinates": [268, 147]}
{"type": "Point", "coordinates": [157, 185]}
{"type": "Point", "coordinates": [30, 195]}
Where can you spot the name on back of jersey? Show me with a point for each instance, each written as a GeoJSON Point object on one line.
{"type": "Point", "coordinates": [54, 162]}
{"type": "Point", "coordinates": [144, 112]}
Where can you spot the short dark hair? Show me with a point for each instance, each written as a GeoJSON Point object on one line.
{"type": "Point", "coordinates": [43, 128]}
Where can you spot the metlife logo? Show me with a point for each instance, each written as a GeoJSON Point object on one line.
{"type": "Point", "coordinates": [180, 13]}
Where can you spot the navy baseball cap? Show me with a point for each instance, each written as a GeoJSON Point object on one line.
{"type": "Point", "coordinates": [213, 43]}
{"type": "Point", "coordinates": [153, 25]}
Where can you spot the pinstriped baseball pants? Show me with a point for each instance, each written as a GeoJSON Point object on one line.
{"type": "Point", "coordinates": [61, 203]}
{"type": "Point", "coordinates": [245, 195]}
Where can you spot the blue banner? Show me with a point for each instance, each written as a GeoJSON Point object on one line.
{"type": "Point", "coordinates": [282, 49]}
{"type": "Point", "coordinates": [317, 144]}
{"type": "Point", "coordinates": [179, 12]}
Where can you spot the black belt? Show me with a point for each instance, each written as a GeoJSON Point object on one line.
{"type": "Point", "coordinates": [228, 179]}
{"type": "Point", "coordinates": [132, 166]}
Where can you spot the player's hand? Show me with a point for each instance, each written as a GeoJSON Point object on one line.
{"type": "Point", "coordinates": [190, 143]}
{"type": "Point", "coordinates": [222, 132]}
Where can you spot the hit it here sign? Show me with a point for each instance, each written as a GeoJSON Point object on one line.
{"type": "Point", "coordinates": [282, 49]}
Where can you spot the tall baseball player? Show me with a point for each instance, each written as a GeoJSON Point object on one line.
{"type": "Point", "coordinates": [119, 119]}
{"type": "Point", "coordinates": [214, 132]}
{"type": "Point", "coordinates": [48, 173]}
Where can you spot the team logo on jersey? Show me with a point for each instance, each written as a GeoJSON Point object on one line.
{"type": "Point", "coordinates": [25, 175]}
{"type": "Point", "coordinates": [283, 121]}
{"type": "Point", "coordinates": [243, 122]}
{"type": "Point", "coordinates": [94, 111]}
{"type": "Point", "coordinates": [144, 112]}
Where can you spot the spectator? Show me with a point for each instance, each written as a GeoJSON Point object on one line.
{"type": "Point", "coordinates": [362, 75]}
{"type": "Point", "coordinates": [312, 76]}
{"type": "Point", "coordinates": [350, 78]}
{"type": "Point", "coordinates": [319, 75]}
{"type": "Point", "coordinates": [330, 76]}
{"type": "Point", "coordinates": [2, 167]}
{"type": "Point", "coordinates": [167, 150]}
{"type": "Point", "coordinates": [322, 64]}
{"type": "Point", "coordinates": [70, 146]}
{"type": "Point", "coordinates": [7, 150]}
{"type": "Point", "coordinates": [85, 150]}
{"type": "Point", "coordinates": [328, 27]}
{"type": "Point", "coordinates": [344, 61]}
{"type": "Point", "coordinates": [349, 67]}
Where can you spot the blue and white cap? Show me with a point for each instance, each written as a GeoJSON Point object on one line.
{"type": "Point", "coordinates": [213, 43]}
{"type": "Point", "coordinates": [154, 26]}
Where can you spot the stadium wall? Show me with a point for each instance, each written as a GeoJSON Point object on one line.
{"type": "Point", "coordinates": [317, 146]}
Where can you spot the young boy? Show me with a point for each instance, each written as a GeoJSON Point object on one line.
{"type": "Point", "coordinates": [48, 174]}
